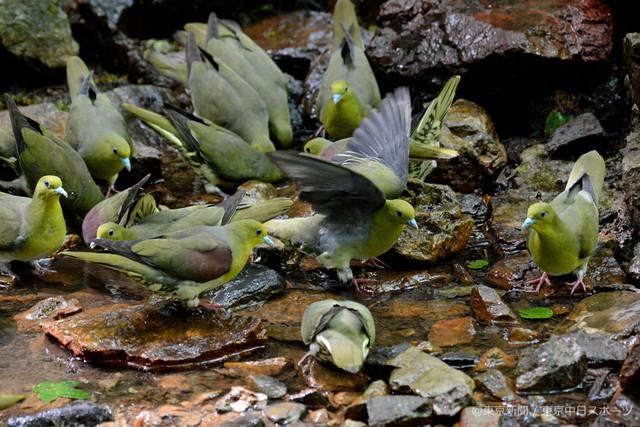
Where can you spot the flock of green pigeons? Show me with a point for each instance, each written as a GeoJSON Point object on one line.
{"type": "Point", "coordinates": [240, 114]}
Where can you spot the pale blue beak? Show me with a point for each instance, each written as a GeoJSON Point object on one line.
{"type": "Point", "coordinates": [61, 190]}
{"type": "Point", "coordinates": [412, 223]}
{"type": "Point", "coordinates": [126, 162]}
{"type": "Point", "coordinates": [268, 241]}
{"type": "Point", "coordinates": [336, 97]}
{"type": "Point", "coordinates": [528, 222]}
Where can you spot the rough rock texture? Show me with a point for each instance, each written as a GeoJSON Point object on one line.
{"type": "Point", "coordinates": [632, 63]}
{"type": "Point", "coordinates": [159, 335]}
{"type": "Point", "coordinates": [37, 32]}
{"type": "Point", "coordinates": [397, 410]}
{"type": "Point", "coordinates": [414, 37]}
{"type": "Point", "coordinates": [489, 308]}
{"type": "Point", "coordinates": [443, 228]}
{"type": "Point", "coordinates": [449, 389]}
{"type": "Point", "coordinates": [555, 365]}
{"type": "Point", "coordinates": [576, 137]}
{"type": "Point", "coordinates": [76, 413]}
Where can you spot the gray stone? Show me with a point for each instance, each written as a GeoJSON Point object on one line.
{"type": "Point", "coordinates": [576, 137]}
{"type": "Point", "coordinates": [495, 384]}
{"type": "Point", "coordinates": [285, 412]}
{"type": "Point", "coordinates": [270, 386]}
{"type": "Point", "coordinates": [448, 390]}
{"type": "Point", "coordinates": [555, 365]}
{"type": "Point", "coordinates": [254, 285]}
{"type": "Point", "coordinates": [601, 349]}
{"type": "Point", "coordinates": [37, 32]}
{"type": "Point", "coordinates": [77, 413]}
{"type": "Point", "coordinates": [248, 420]}
{"type": "Point", "coordinates": [398, 410]}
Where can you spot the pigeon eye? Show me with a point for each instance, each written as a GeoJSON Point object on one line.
{"type": "Point", "coordinates": [110, 233]}
{"type": "Point", "coordinates": [346, 89]}
{"type": "Point", "coordinates": [399, 214]}
{"type": "Point", "coordinates": [543, 214]}
{"type": "Point", "coordinates": [308, 150]}
{"type": "Point", "coordinates": [46, 184]}
{"type": "Point", "coordinates": [258, 232]}
{"type": "Point", "coordinates": [115, 150]}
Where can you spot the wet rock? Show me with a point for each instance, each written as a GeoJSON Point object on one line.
{"type": "Point", "coordinates": [319, 417]}
{"type": "Point", "coordinates": [555, 365]}
{"type": "Point", "coordinates": [148, 419]}
{"type": "Point", "coordinates": [239, 399]}
{"type": "Point", "coordinates": [257, 191]}
{"type": "Point", "coordinates": [47, 114]}
{"type": "Point", "coordinates": [605, 313]}
{"type": "Point", "coordinates": [474, 416]}
{"type": "Point", "coordinates": [413, 38]}
{"type": "Point", "coordinates": [264, 384]}
{"type": "Point", "coordinates": [631, 48]}
{"type": "Point", "coordinates": [489, 307]}
{"type": "Point", "coordinates": [254, 285]}
{"type": "Point", "coordinates": [494, 358]}
{"type": "Point", "coordinates": [508, 212]}
{"type": "Point", "coordinates": [603, 273]}
{"type": "Point", "coordinates": [36, 34]}
{"type": "Point", "coordinates": [576, 137]}
{"type": "Point", "coordinates": [398, 410]}
{"type": "Point", "coordinates": [622, 410]}
{"type": "Point", "coordinates": [386, 281]}
{"type": "Point", "coordinates": [451, 332]}
{"type": "Point", "coordinates": [631, 177]}
{"type": "Point", "coordinates": [329, 378]}
{"type": "Point", "coordinates": [633, 268]}
{"type": "Point", "coordinates": [80, 412]}
{"type": "Point", "coordinates": [481, 155]}
{"type": "Point", "coordinates": [444, 229]}
{"type": "Point", "coordinates": [251, 419]}
{"type": "Point", "coordinates": [285, 412]}
{"type": "Point", "coordinates": [448, 389]}
{"type": "Point", "coordinates": [520, 337]}
{"type": "Point", "coordinates": [427, 310]}
{"type": "Point", "coordinates": [51, 308]}
{"type": "Point", "coordinates": [601, 350]}
{"type": "Point", "coordinates": [273, 366]}
{"type": "Point", "coordinates": [310, 397]}
{"type": "Point", "coordinates": [509, 273]}
{"type": "Point", "coordinates": [496, 385]}
{"type": "Point", "coordinates": [459, 359]}
{"type": "Point", "coordinates": [630, 372]}
{"type": "Point", "coordinates": [294, 40]}
{"type": "Point", "coordinates": [158, 335]}
{"type": "Point", "coordinates": [357, 409]}
{"type": "Point", "coordinates": [287, 308]}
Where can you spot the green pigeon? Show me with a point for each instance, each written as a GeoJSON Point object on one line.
{"type": "Point", "coordinates": [426, 135]}
{"type": "Point", "coordinates": [221, 96]}
{"type": "Point", "coordinates": [184, 263]}
{"type": "Point", "coordinates": [168, 221]}
{"type": "Point", "coordinates": [339, 332]}
{"type": "Point", "coordinates": [563, 234]}
{"type": "Point", "coordinates": [353, 219]}
{"type": "Point", "coordinates": [125, 208]}
{"type": "Point", "coordinates": [42, 153]}
{"type": "Point", "coordinates": [218, 155]}
{"type": "Point", "coordinates": [32, 228]}
{"type": "Point", "coordinates": [95, 128]}
{"type": "Point", "coordinates": [348, 79]}
{"type": "Point", "coordinates": [271, 91]}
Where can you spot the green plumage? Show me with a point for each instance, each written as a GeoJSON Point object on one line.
{"type": "Point", "coordinates": [95, 129]}
{"type": "Point", "coordinates": [348, 63]}
{"type": "Point", "coordinates": [41, 153]}
{"type": "Point", "coordinates": [339, 332]}
{"type": "Point", "coordinates": [563, 234]}
{"type": "Point", "coordinates": [32, 228]}
{"type": "Point", "coordinates": [184, 263]}
{"type": "Point", "coordinates": [168, 221]}
{"type": "Point", "coordinates": [220, 95]}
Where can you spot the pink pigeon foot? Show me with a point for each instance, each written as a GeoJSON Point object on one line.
{"type": "Point", "coordinates": [356, 282]}
{"type": "Point", "coordinates": [210, 305]}
{"type": "Point", "coordinates": [375, 262]}
{"type": "Point", "coordinates": [542, 279]}
{"type": "Point", "coordinates": [579, 282]}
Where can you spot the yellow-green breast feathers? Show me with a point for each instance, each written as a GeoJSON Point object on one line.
{"type": "Point", "coordinates": [34, 228]}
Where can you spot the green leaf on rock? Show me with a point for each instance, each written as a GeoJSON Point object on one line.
{"type": "Point", "coordinates": [49, 391]}
{"type": "Point", "coordinates": [536, 313]}
{"type": "Point", "coordinates": [554, 120]}
{"type": "Point", "coordinates": [477, 264]}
